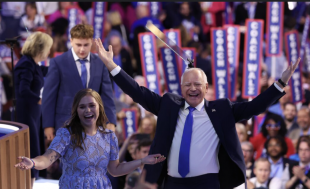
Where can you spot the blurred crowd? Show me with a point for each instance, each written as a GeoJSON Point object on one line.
{"type": "Point", "coordinates": [275, 144]}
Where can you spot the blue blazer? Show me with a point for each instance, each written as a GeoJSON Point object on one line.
{"type": "Point", "coordinates": [226, 114]}
{"type": "Point", "coordinates": [63, 82]}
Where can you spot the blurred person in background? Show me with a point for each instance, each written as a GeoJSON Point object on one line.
{"type": "Point", "coordinates": [32, 20]}
{"type": "Point", "coordinates": [126, 11]}
{"type": "Point", "coordinates": [148, 126]}
{"type": "Point", "coordinates": [11, 13]}
{"type": "Point", "coordinates": [59, 33]}
{"type": "Point", "coordinates": [142, 150]}
{"type": "Point", "coordinates": [303, 122]}
{"type": "Point", "coordinates": [212, 17]}
{"type": "Point", "coordinates": [276, 149]}
{"type": "Point", "coordinates": [262, 180]}
{"type": "Point", "coordinates": [210, 96]}
{"type": "Point", "coordinates": [298, 175]}
{"type": "Point", "coordinates": [290, 115]}
{"type": "Point", "coordinates": [241, 132]}
{"type": "Point", "coordinates": [248, 152]}
{"type": "Point", "coordinates": [28, 78]}
{"type": "Point", "coordinates": [273, 125]}
{"type": "Point", "coordinates": [121, 55]}
{"type": "Point", "coordinates": [62, 12]}
{"type": "Point", "coordinates": [191, 24]}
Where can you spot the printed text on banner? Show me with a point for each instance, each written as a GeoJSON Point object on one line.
{"type": "Point", "coordinates": [129, 123]}
{"type": "Point", "coordinates": [73, 18]}
{"type": "Point", "coordinates": [170, 67]}
{"type": "Point", "coordinates": [292, 54]}
{"type": "Point", "coordinates": [175, 36]}
{"type": "Point", "coordinates": [99, 9]}
{"type": "Point", "coordinates": [253, 45]}
{"type": "Point", "coordinates": [220, 66]}
{"type": "Point", "coordinates": [233, 43]}
{"type": "Point", "coordinates": [307, 55]}
{"type": "Point", "coordinates": [148, 53]}
{"type": "Point", "coordinates": [275, 14]}
{"type": "Point", "coordinates": [303, 42]}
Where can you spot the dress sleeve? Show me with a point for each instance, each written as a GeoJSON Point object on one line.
{"type": "Point", "coordinates": [114, 147]}
{"type": "Point", "coordinates": [61, 141]}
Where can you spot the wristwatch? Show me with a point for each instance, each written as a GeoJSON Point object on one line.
{"type": "Point", "coordinates": [282, 83]}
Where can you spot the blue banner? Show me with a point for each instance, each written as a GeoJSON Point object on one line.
{"type": "Point", "coordinates": [303, 41]}
{"type": "Point", "coordinates": [191, 52]}
{"type": "Point", "coordinates": [307, 55]}
{"type": "Point", "coordinates": [292, 54]}
{"type": "Point", "coordinates": [252, 57]}
{"type": "Point", "coordinates": [175, 36]}
{"type": "Point", "coordinates": [170, 67]}
{"type": "Point", "coordinates": [73, 18]}
{"type": "Point", "coordinates": [233, 43]}
{"type": "Point", "coordinates": [154, 9]}
{"type": "Point", "coordinates": [274, 30]}
{"type": "Point", "coordinates": [148, 53]}
{"type": "Point", "coordinates": [130, 123]}
{"type": "Point", "coordinates": [99, 9]}
{"type": "Point", "coordinates": [220, 66]}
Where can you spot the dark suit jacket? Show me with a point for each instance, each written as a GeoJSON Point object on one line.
{"type": "Point", "coordinates": [28, 78]}
{"type": "Point", "coordinates": [63, 82]}
{"type": "Point", "coordinates": [126, 62]}
{"type": "Point", "coordinates": [226, 114]}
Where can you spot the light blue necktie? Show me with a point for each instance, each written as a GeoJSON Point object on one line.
{"type": "Point", "coordinates": [83, 72]}
{"type": "Point", "coordinates": [186, 144]}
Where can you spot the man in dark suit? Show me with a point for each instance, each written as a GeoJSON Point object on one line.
{"type": "Point", "coordinates": [70, 72]}
{"type": "Point", "coordinates": [203, 153]}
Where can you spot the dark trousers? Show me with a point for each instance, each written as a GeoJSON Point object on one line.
{"type": "Point", "coordinates": [207, 181]}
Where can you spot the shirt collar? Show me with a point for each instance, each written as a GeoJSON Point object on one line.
{"type": "Point", "coordinates": [76, 58]}
{"type": "Point", "coordinates": [198, 107]}
{"type": "Point", "coordinates": [261, 184]}
{"type": "Point", "coordinates": [280, 161]}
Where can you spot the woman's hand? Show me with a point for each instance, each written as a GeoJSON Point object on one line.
{"type": "Point", "coordinates": [25, 164]}
{"type": "Point", "coordinates": [153, 159]}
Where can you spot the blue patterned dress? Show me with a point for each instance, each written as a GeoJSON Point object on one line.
{"type": "Point", "coordinates": [85, 169]}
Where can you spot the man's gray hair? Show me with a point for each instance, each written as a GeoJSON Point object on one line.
{"type": "Point", "coordinates": [191, 69]}
{"type": "Point", "coordinates": [249, 144]}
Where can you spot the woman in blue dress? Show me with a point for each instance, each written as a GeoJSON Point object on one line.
{"type": "Point", "coordinates": [87, 149]}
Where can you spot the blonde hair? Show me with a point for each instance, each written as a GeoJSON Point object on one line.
{"type": "Point", "coordinates": [114, 18]}
{"type": "Point", "coordinates": [153, 122]}
{"type": "Point", "coordinates": [37, 44]}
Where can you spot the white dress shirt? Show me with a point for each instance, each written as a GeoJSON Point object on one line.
{"type": "Point", "coordinates": [204, 144]}
{"type": "Point", "coordinates": [275, 183]}
{"type": "Point", "coordinates": [78, 65]}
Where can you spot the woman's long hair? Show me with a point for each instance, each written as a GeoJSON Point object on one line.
{"type": "Point", "coordinates": [276, 118]}
{"type": "Point", "coordinates": [74, 124]}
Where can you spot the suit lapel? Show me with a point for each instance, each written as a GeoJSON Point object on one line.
{"type": "Point", "coordinates": [96, 69]}
{"type": "Point", "coordinates": [73, 69]}
{"type": "Point", "coordinates": [214, 117]}
{"type": "Point", "coordinates": [92, 70]}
